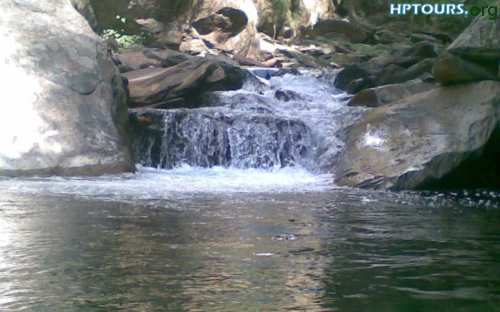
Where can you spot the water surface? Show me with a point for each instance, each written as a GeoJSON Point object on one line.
{"type": "Point", "coordinates": [235, 240]}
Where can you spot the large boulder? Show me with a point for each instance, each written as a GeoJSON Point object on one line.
{"type": "Point", "coordinates": [420, 139]}
{"type": "Point", "coordinates": [480, 41]}
{"type": "Point", "coordinates": [473, 56]}
{"type": "Point", "coordinates": [231, 30]}
{"type": "Point", "coordinates": [155, 85]}
{"type": "Point", "coordinates": [65, 108]}
{"type": "Point", "coordinates": [388, 64]}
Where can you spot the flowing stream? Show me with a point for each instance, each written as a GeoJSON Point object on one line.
{"type": "Point", "coordinates": [288, 120]}
{"type": "Point", "coordinates": [249, 222]}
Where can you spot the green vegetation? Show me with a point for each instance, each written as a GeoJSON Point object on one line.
{"type": "Point", "coordinates": [121, 37]}
{"type": "Point", "coordinates": [124, 41]}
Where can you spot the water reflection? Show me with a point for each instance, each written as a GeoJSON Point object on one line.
{"type": "Point", "coordinates": [328, 251]}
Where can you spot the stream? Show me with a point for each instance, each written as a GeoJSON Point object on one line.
{"type": "Point", "coordinates": [252, 222]}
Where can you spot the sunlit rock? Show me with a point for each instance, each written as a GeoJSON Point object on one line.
{"type": "Point", "coordinates": [420, 139]}
{"type": "Point", "coordinates": [65, 109]}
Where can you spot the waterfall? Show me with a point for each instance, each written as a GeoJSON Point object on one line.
{"type": "Point", "coordinates": [287, 120]}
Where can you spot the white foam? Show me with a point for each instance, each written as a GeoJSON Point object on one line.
{"type": "Point", "coordinates": [150, 183]}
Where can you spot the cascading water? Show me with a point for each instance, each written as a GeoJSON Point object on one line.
{"type": "Point", "coordinates": [221, 137]}
{"type": "Point", "coordinates": [285, 120]}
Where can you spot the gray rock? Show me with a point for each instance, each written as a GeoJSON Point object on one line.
{"type": "Point", "coordinates": [403, 63]}
{"type": "Point", "coordinates": [397, 74]}
{"type": "Point", "coordinates": [349, 74]}
{"type": "Point", "coordinates": [450, 69]}
{"type": "Point", "coordinates": [419, 139]}
{"type": "Point", "coordinates": [378, 96]}
{"type": "Point", "coordinates": [65, 107]}
{"type": "Point", "coordinates": [480, 41]}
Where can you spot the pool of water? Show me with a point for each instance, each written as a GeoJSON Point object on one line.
{"type": "Point", "coordinates": [229, 240]}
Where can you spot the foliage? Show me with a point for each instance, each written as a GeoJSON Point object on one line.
{"type": "Point", "coordinates": [124, 39]}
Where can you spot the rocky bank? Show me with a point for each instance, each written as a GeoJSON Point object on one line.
{"type": "Point", "coordinates": [430, 91]}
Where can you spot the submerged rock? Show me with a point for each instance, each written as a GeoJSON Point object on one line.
{"type": "Point", "coordinates": [287, 95]}
{"type": "Point", "coordinates": [218, 137]}
{"type": "Point", "coordinates": [419, 139]}
{"type": "Point", "coordinates": [65, 107]}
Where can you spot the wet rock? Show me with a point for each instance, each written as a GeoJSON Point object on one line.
{"type": "Point", "coordinates": [287, 95]}
{"type": "Point", "coordinates": [69, 116]}
{"type": "Point", "coordinates": [218, 137]}
{"type": "Point", "coordinates": [348, 75]}
{"type": "Point", "coordinates": [382, 95]}
{"type": "Point", "coordinates": [473, 56]}
{"type": "Point", "coordinates": [396, 74]}
{"type": "Point", "coordinates": [192, 77]}
{"type": "Point", "coordinates": [419, 139]}
{"type": "Point", "coordinates": [358, 84]}
{"type": "Point", "coordinates": [386, 64]}
{"type": "Point", "coordinates": [299, 59]}
{"type": "Point", "coordinates": [268, 73]}
{"type": "Point", "coordinates": [450, 69]}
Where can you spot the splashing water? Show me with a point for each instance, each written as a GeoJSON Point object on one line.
{"type": "Point", "coordinates": [290, 120]}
